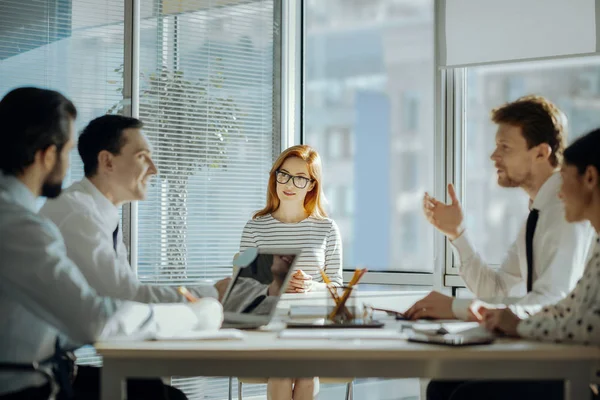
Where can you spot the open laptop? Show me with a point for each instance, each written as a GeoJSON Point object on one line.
{"type": "Point", "coordinates": [261, 276]}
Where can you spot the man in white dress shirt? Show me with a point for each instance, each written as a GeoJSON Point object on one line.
{"type": "Point", "coordinates": [45, 301]}
{"type": "Point", "coordinates": [529, 146]}
{"type": "Point", "coordinates": [549, 254]}
{"type": "Point", "coordinates": [576, 318]}
{"type": "Point", "coordinates": [118, 165]}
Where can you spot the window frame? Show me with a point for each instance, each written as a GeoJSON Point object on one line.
{"type": "Point", "coordinates": [435, 278]}
{"type": "Point", "coordinates": [289, 52]}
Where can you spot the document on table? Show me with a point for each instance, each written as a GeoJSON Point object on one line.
{"type": "Point", "coordinates": [466, 329]}
{"type": "Point", "coordinates": [222, 334]}
{"type": "Point", "coordinates": [342, 334]}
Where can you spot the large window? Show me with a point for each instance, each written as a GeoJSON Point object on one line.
{"type": "Point", "coordinates": [206, 98]}
{"type": "Point", "coordinates": [369, 110]}
{"type": "Point", "coordinates": [72, 47]}
{"type": "Point", "coordinates": [493, 214]}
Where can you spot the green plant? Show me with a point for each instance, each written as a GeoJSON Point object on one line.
{"type": "Point", "coordinates": [190, 124]}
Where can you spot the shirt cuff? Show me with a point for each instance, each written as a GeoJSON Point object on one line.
{"type": "Point", "coordinates": [460, 308]}
{"type": "Point", "coordinates": [204, 291]}
{"type": "Point", "coordinates": [462, 245]}
{"type": "Point", "coordinates": [523, 329]}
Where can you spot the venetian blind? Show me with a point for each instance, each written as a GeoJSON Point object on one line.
{"type": "Point", "coordinates": [206, 99]}
{"type": "Point", "coordinates": [70, 46]}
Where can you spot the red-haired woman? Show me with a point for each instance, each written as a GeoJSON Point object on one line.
{"type": "Point", "coordinates": [294, 218]}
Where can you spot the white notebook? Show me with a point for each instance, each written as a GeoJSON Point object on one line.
{"type": "Point", "coordinates": [222, 334]}
{"type": "Point", "coordinates": [342, 334]}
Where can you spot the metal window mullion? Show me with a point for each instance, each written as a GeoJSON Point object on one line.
{"type": "Point", "coordinates": [451, 154]}
{"type": "Point", "coordinates": [131, 75]}
{"type": "Point", "coordinates": [440, 145]}
{"type": "Point", "coordinates": [393, 278]}
{"type": "Point", "coordinates": [291, 95]}
{"type": "Point", "coordinates": [456, 92]}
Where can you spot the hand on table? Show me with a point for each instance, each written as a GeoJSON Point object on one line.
{"type": "Point", "coordinates": [435, 305]}
{"type": "Point", "coordinates": [500, 320]}
{"type": "Point", "coordinates": [300, 282]}
{"type": "Point", "coordinates": [209, 313]}
{"type": "Point", "coordinates": [221, 287]}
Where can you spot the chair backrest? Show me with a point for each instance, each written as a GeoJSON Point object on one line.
{"type": "Point", "coordinates": [235, 267]}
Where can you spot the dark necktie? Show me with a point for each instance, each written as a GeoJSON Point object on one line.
{"type": "Point", "coordinates": [115, 234]}
{"type": "Point", "coordinates": [531, 224]}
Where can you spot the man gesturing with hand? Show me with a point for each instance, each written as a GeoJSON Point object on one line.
{"type": "Point", "coordinates": [548, 255]}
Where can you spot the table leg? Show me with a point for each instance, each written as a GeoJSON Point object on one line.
{"type": "Point", "coordinates": [111, 382]}
{"type": "Point", "coordinates": [577, 388]}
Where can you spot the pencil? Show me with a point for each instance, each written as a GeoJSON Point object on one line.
{"type": "Point", "coordinates": [186, 293]}
{"type": "Point", "coordinates": [324, 276]}
{"type": "Point", "coordinates": [358, 274]}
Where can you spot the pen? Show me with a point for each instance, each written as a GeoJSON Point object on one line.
{"type": "Point", "coordinates": [186, 293]}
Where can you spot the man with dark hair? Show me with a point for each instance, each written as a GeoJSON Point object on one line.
{"type": "Point", "coordinates": [50, 120]}
{"type": "Point", "coordinates": [548, 256]}
{"type": "Point", "coordinates": [118, 165]}
{"type": "Point", "coordinates": [117, 161]}
{"type": "Point", "coordinates": [45, 301]}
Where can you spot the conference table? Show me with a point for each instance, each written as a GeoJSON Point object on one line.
{"type": "Point", "coordinates": [264, 354]}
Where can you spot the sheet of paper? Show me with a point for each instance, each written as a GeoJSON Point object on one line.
{"type": "Point", "coordinates": [465, 329]}
{"type": "Point", "coordinates": [342, 334]}
{"type": "Point", "coordinates": [223, 334]}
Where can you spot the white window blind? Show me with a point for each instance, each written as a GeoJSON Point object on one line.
{"type": "Point", "coordinates": [475, 31]}
{"type": "Point", "coordinates": [206, 99]}
{"type": "Point", "coordinates": [70, 46]}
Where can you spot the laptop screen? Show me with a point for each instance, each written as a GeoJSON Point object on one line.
{"type": "Point", "coordinates": [261, 280]}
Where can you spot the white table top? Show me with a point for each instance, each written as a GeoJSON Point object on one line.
{"type": "Point", "coordinates": [267, 346]}
{"type": "Point", "coordinates": [263, 353]}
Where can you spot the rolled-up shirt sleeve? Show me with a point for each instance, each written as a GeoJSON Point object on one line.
{"type": "Point", "coordinates": [37, 274]}
{"type": "Point", "coordinates": [110, 275]}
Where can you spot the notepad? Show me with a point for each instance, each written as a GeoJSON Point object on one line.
{"type": "Point", "coordinates": [464, 329]}
{"type": "Point", "coordinates": [342, 334]}
{"type": "Point", "coordinates": [440, 328]}
{"type": "Point", "coordinates": [223, 334]}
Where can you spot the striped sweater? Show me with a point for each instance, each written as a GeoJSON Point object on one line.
{"type": "Point", "coordinates": [319, 240]}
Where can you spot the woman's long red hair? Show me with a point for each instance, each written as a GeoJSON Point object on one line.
{"type": "Point", "coordinates": [313, 203]}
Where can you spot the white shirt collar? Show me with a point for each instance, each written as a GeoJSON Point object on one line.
{"type": "Point", "coordinates": [108, 210]}
{"type": "Point", "coordinates": [548, 192]}
{"type": "Point", "coordinates": [18, 191]}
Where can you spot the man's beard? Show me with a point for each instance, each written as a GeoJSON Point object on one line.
{"type": "Point", "coordinates": [509, 181]}
{"type": "Point", "coordinates": [52, 187]}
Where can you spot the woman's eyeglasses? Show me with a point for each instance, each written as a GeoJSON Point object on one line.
{"type": "Point", "coordinates": [299, 181]}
